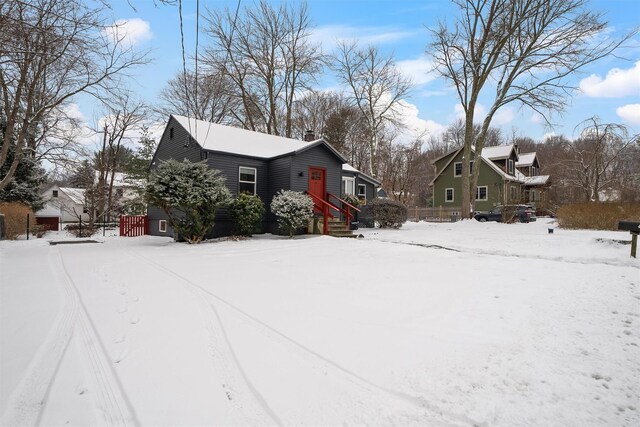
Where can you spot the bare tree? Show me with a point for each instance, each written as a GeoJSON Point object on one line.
{"type": "Point", "coordinates": [400, 170]}
{"type": "Point", "coordinates": [520, 51]}
{"type": "Point", "coordinates": [52, 50]}
{"type": "Point", "coordinates": [598, 158]}
{"type": "Point", "coordinates": [211, 98]}
{"type": "Point", "coordinates": [376, 88]}
{"type": "Point", "coordinates": [266, 53]}
{"type": "Point", "coordinates": [118, 125]}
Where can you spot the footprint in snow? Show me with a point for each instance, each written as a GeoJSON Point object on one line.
{"type": "Point", "coordinates": [134, 320]}
{"type": "Point", "coordinates": [120, 339]}
{"type": "Point", "coordinates": [123, 354]}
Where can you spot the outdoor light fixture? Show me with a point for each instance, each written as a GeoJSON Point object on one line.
{"type": "Point", "coordinates": [300, 174]}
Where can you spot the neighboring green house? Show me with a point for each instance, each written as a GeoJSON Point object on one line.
{"type": "Point", "coordinates": [505, 177]}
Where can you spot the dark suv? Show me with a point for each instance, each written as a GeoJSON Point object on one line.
{"type": "Point", "coordinates": [509, 213]}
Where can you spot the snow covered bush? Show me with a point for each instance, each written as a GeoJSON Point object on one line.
{"type": "Point", "coordinates": [388, 213]}
{"type": "Point", "coordinates": [246, 211]}
{"type": "Point", "coordinates": [351, 199]}
{"type": "Point", "coordinates": [293, 209]}
{"type": "Point", "coordinates": [189, 193]}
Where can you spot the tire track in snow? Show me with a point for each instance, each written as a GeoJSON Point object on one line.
{"type": "Point", "coordinates": [479, 251]}
{"type": "Point", "coordinates": [27, 402]}
{"type": "Point", "coordinates": [237, 385]}
{"type": "Point", "coordinates": [452, 419]}
{"type": "Point", "coordinates": [111, 398]}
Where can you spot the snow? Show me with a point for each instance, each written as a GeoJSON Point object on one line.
{"type": "Point", "coordinates": [229, 139]}
{"type": "Point", "coordinates": [497, 152]}
{"type": "Point", "coordinates": [526, 159]}
{"type": "Point", "coordinates": [434, 324]}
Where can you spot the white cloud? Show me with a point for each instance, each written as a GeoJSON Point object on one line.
{"type": "Point", "coordinates": [130, 31]}
{"type": "Point", "coordinates": [537, 118]}
{"type": "Point", "coordinates": [630, 113]}
{"type": "Point", "coordinates": [419, 70]}
{"type": "Point", "coordinates": [416, 127]}
{"type": "Point", "coordinates": [503, 116]}
{"type": "Point", "coordinates": [618, 83]}
{"type": "Point", "coordinates": [330, 35]}
{"type": "Point", "coordinates": [479, 114]}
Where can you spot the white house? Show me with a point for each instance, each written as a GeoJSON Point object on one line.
{"type": "Point", "coordinates": [65, 203]}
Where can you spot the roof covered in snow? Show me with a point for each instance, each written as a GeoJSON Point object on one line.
{"type": "Point", "coordinates": [526, 159]}
{"type": "Point", "coordinates": [536, 180]}
{"type": "Point", "coordinates": [75, 194]}
{"type": "Point", "coordinates": [228, 139]}
{"type": "Point", "coordinates": [498, 152]}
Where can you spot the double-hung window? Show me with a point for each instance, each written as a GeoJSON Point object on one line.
{"type": "Point", "coordinates": [362, 191]}
{"type": "Point", "coordinates": [457, 169]}
{"type": "Point", "coordinates": [510, 166]}
{"type": "Point", "coordinates": [448, 195]}
{"type": "Point", "coordinates": [348, 186]}
{"type": "Point", "coordinates": [481, 193]}
{"type": "Point", "coordinates": [247, 180]}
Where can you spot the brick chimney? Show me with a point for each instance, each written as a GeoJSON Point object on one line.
{"type": "Point", "coordinates": [309, 136]}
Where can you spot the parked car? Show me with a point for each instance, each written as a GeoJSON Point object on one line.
{"type": "Point", "coordinates": [522, 213]}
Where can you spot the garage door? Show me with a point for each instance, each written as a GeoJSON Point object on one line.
{"type": "Point", "coordinates": [51, 222]}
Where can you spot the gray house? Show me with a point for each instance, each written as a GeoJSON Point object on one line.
{"type": "Point", "coordinates": [255, 162]}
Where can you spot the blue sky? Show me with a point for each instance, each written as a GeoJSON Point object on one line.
{"type": "Point", "coordinates": [610, 88]}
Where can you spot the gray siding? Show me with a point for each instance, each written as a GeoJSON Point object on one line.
{"type": "Point", "coordinates": [279, 179]}
{"type": "Point", "coordinates": [319, 156]}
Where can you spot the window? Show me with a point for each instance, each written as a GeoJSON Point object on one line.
{"type": "Point", "coordinates": [170, 133]}
{"type": "Point", "coordinates": [162, 226]}
{"type": "Point", "coordinates": [119, 192]}
{"type": "Point", "coordinates": [513, 192]}
{"type": "Point", "coordinates": [510, 167]}
{"type": "Point", "coordinates": [247, 180]}
{"type": "Point", "coordinates": [204, 155]}
{"type": "Point", "coordinates": [481, 193]}
{"type": "Point", "coordinates": [348, 186]}
{"type": "Point", "coordinates": [54, 193]}
{"type": "Point", "coordinates": [457, 169]}
{"type": "Point", "coordinates": [448, 195]}
{"type": "Point", "coordinates": [85, 210]}
{"type": "Point", "coordinates": [534, 171]}
{"type": "Point", "coordinates": [362, 191]}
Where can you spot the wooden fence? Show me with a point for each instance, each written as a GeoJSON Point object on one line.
{"type": "Point", "coordinates": [434, 214]}
{"type": "Point", "coordinates": [134, 225]}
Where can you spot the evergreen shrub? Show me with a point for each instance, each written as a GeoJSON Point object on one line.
{"type": "Point", "coordinates": [293, 210]}
{"type": "Point", "coordinates": [247, 211]}
{"type": "Point", "coordinates": [388, 213]}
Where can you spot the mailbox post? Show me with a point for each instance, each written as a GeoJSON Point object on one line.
{"type": "Point", "coordinates": [634, 229]}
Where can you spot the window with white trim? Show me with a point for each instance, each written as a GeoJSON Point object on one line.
{"type": "Point", "coordinates": [162, 226]}
{"type": "Point", "coordinates": [362, 191]}
{"type": "Point", "coordinates": [482, 193]}
{"type": "Point", "coordinates": [54, 193]}
{"type": "Point", "coordinates": [448, 195]}
{"type": "Point", "coordinates": [510, 166]}
{"type": "Point", "coordinates": [348, 185]}
{"type": "Point", "coordinates": [457, 169]}
{"type": "Point", "coordinates": [247, 180]}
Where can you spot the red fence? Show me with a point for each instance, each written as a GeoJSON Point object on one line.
{"type": "Point", "coordinates": [134, 225]}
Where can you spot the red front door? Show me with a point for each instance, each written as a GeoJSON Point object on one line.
{"type": "Point", "coordinates": [317, 182]}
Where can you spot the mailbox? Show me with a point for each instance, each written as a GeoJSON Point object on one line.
{"type": "Point", "coordinates": [631, 226]}
{"type": "Point", "coordinates": [634, 229]}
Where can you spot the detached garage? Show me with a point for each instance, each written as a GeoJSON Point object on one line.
{"type": "Point", "coordinates": [49, 216]}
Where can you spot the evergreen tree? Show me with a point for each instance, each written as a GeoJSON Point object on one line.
{"type": "Point", "coordinates": [189, 193]}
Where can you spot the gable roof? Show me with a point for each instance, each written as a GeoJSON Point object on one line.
{"type": "Point", "coordinates": [485, 157]}
{"type": "Point", "coordinates": [497, 152]}
{"type": "Point", "coordinates": [243, 142]}
{"type": "Point", "coordinates": [75, 194]}
{"type": "Point", "coordinates": [346, 167]}
{"type": "Point", "coordinates": [526, 159]}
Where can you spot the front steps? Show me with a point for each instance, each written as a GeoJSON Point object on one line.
{"type": "Point", "coordinates": [338, 228]}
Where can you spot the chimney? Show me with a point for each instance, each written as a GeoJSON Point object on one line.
{"type": "Point", "coordinates": [309, 136]}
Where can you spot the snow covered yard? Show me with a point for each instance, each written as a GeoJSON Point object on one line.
{"type": "Point", "coordinates": [433, 324]}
